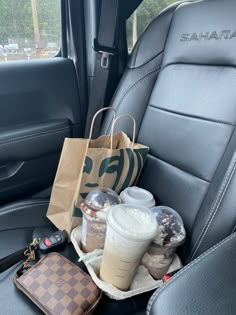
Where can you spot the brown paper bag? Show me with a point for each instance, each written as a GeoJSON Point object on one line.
{"type": "Point", "coordinates": [111, 161]}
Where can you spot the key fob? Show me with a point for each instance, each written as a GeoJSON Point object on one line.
{"type": "Point", "coordinates": [53, 242]}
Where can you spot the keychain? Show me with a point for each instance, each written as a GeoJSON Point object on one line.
{"type": "Point", "coordinates": [30, 253]}
{"type": "Point", "coordinates": [52, 242]}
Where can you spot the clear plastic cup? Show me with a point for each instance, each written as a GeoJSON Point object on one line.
{"type": "Point", "coordinates": [130, 230]}
{"type": "Point", "coordinates": [93, 233]}
{"type": "Point", "coordinates": [161, 251]}
{"type": "Point", "coordinates": [137, 196]}
{"type": "Point", "coordinates": [94, 208]}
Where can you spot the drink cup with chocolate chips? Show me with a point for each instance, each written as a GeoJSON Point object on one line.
{"type": "Point", "coordinates": [94, 208]}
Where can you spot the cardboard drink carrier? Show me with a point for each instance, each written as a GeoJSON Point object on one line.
{"type": "Point", "coordinates": [142, 282]}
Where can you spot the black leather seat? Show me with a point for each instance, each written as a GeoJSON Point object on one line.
{"type": "Point", "coordinates": [180, 87]}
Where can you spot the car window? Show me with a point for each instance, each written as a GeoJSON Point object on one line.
{"type": "Point", "coordinates": [29, 29]}
{"type": "Point", "coordinates": [142, 17]}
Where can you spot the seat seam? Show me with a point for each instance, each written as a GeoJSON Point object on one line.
{"type": "Point", "coordinates": [221, 187]}
{"type": "Point", "coordinates": [197, 64]}
{"type": "Point", "coordinates": [6, 211]}
{"type": "Point", "coordinates": [191, 116]}
{"type": "Point", "coordinates": [214, 214]}
{"type": "Point", "coordinates": [137, 48]}
{"type": "Point", "coordinates": [131, 88]}
{"type": "Point", "coordinates": [215, 208]}
{"type": "Point", "coordinates": [24, 202]}
{"type": "Point", "coordinates": [186, 268]}
{"type": "Point", "coordinates": [233, 231]}
{"type": "Point", "coordinates": [33, 135]}
{"type": "Point", "coordinates": [181, 169]}
{"type": "Point", "coordinates": [148, 61]}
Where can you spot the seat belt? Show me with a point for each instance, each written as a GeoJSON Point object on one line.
{"type": "Point", "coordinates": [105, 47]}
{"type": "Point", "coordinates": [27, 253]}
{"type": "Point", "coordinates": [11, 260]}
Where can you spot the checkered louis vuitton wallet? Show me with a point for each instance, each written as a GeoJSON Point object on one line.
{"type": "Point", "coordinates": [58, 287]}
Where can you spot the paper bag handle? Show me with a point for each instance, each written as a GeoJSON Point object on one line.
{"type": "Point", "coordinates": [95, 116]}
{"type": "Point", "coordinates": [113, 125]}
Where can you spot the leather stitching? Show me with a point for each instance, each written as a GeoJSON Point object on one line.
{"type": "Point", "coordinates": [144, 64]}
{"type": "Point", "coordinates": [215, 208]}
{"type": "Point", "coordinates": [188, 172]}
{"type": "Point", "coordinates": [224, 65]}
{"type": "Point", "coordinates": [24, 202]}
{"type": "Point", "coordinates": [233, 231]}
{"type": "Point", "coordinates": [136, 53]}
{"type": "Point", "coordinates": [192, 116]}
{"type": "Point", "coordinates": [131, 88]}
{"type": "Point", "coordinates": [16, 206]}
{"type": "Point", "coordinates": [207, 253]}
{"type": "Point", "coordinates": [33, 135]}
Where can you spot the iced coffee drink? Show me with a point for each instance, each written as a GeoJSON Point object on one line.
{"type": "Point", "coordinates": [129, 232]}
{"type": "Point", "coordinates": [161, 251]}
{"type": "Point", "coordinates": [94, 208]}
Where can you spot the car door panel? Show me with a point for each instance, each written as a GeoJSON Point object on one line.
{"type": "Point", "coordinates": [30, 141]}
{"type": "Point", "coordinates": [38, 90]}
{"type": "Point", "coordinates": [30, 178]}
{"type": "Point", "coordinates": [39, 107]}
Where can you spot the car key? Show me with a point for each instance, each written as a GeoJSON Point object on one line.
{"type": "Point", "coordinates": [53, 242]}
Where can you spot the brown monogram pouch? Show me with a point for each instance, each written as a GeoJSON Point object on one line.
{"type": "Point", "coordinates": [58, 287]}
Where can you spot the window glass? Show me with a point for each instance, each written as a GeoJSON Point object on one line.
{"type": "Point", "coordinates": [142, 17]}
{"type": "Point", "coordinates": [29, 29]}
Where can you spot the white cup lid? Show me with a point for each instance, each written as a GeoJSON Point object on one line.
{"type": "Point", "coordinates": [137, 196]}
{"type": "Point", "coordinates": [133, 222]}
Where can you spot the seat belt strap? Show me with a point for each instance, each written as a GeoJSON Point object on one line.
{"type": "Point", "coordinates": [105, 47]}
{"type": "Point", "coordinates": [12, 259]}
{"type": "Point", "coordinates": [28, 253]}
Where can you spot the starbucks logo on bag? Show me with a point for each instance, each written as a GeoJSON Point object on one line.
{"type": "Point", "coordinates": [116, 172]}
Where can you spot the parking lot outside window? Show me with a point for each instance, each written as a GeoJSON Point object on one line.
{"type": "Point", "coordinates": [30, 29]}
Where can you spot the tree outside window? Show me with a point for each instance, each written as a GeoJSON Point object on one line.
{"type": "Point", "coordinates": [29, 29]}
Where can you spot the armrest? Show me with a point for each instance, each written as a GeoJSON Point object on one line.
{"type": "Point", "coordinates": [24, 214]}
{"type": "Point", "coordinates": [205, 286]}
{"type": "Point", "coordinates": [29, 141]}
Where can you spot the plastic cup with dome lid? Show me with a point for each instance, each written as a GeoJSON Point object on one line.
{"type": "Point", "coordinates": [171, 234]}
{"type": "Point", "coordinates": [130, 229]}
{"type": "Point", "coordinates": [94, 208]}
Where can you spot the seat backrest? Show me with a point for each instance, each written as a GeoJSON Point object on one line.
{"type": "Point", "coordinates": [180, 87]}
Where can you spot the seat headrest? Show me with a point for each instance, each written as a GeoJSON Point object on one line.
{"type": "Point", "coordinates": [203, 32]}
